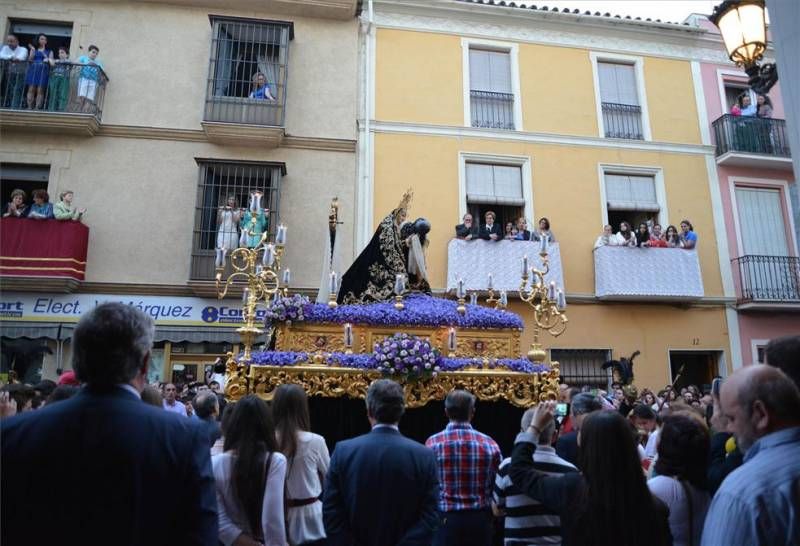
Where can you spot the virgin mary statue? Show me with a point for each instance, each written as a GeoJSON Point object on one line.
{"type": "Point", "coordinates": [395, 249]}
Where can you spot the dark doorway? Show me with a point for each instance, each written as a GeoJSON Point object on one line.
{"type": "Point", "coordinates": [24, 177]}
{"type": "Point", "coordinates": [695, 368]}
{"type": "Point", "coordinates": [58, 34]}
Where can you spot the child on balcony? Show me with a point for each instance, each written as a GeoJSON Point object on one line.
{"type": "Point", "coordinates": [42, 208]}
{"type": "Point", "coordinates": [58, 87]}
{"type": "Point", "coordinates": [17, 207]}
{"type": "Point", "coordinates": [89, 79]}
{"type": "Point", "coordinates": [65, 210]}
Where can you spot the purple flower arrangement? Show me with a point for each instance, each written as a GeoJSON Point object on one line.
{"type": "Point", "coordinates": [409, 357]}
{"type": "Point", "coordinates": [420, 310]}
{"type": "Point", "coordinates": [287, 309]}
{"type": "Point", "coordinates": [278, 358]}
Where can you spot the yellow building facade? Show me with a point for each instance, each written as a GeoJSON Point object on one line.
{"type": "Point", "coordinates": [422, 129]}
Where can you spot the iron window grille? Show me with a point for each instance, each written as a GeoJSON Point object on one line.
{"type": "Point", "coordinates": [219, 180]}
{"type": "Point", "coordinates": [580, 367]}
{"type": "Point", "coordinates": [241, 50]}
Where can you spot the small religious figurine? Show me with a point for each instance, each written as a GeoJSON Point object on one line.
{"type": "Point", "coordinates": [65, 210]}
{"type": "Point", "coordinates": [255, 222]}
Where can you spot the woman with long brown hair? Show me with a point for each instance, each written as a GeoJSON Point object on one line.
{"type": "Point", "coordinates": [308, 463]}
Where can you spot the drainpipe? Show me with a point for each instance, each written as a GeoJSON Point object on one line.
{"type": "Point", "coordinates": [365, 190]}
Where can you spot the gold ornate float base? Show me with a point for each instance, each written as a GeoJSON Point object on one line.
{"type": "Point", "coordinates": [520, 389]}
{"type": "Point", "coordinates": [470, 343]}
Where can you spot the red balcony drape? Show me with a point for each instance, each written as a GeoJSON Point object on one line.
{"type": "Point", "coordinates": [43, 248]}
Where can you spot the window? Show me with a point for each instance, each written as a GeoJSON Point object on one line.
{"type": "Point", "coordinates": [24, 177]}
{"type": "Point", "coordinates": [58, 35]}
{"type": "Point", "coordinates": [581, 367]}
{"type": "Point", "coordinates": [247, 71]}
{"type": "Point", "coordinates": [220, 180]}
{"type": "Point", "coordinates": [631, 198]}
{"type": "Point", "coordinates": [490, 89]}
{"type": "Point", "coordinates": [732, 93]}
{"type": "Point", "coordinates": [761, 354]}
{"type": "Point", "coordinates": [622, 114]}
{"type": "Point", "coordinates": [497, 188]}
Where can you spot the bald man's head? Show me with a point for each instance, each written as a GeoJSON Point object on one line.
{"type": "Point", "coordinates": [759, 400]}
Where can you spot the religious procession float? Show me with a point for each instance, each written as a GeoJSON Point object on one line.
{"type": "Point", "coordinates": [380, 320]}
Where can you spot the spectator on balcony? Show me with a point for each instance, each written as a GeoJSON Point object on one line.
{"type": "Point", "coordinates": [510, 232]}
{"type": "Point", "coordinates": [672, 238]}
{"type": "Point", "coordinates": [607, 238]}
{"type": "Point", "coordinates": [89, 78]}
{"type": "Point", "coordinates": [764, 105]}
{"type": "Point", "coordinates": [657, 237]}
{"type": "Point", "coordinates": [17, 207]}
{"type": "Point", "coordinates": [625, 236]}
{"type": "Point", "coordinates": [543, 231]}
{"type": "Point", "coordinates": [688, 236]}
{"type": "Point", "coordinates": [58, 88]}
{"type": "Point", "coordinates": [42, 208]}
{"type": "Point", "coordinates": [746, 106]}
{"type": "Point", "coordinates": [522, 230]}
{"type": "Point", "coordinates": [643, 235]}
{"type": "Point", "coordinates": [261, 87]}
{"type": "Point", "coordinates": [14, 73]}
{"type": "Point", "coordinates": [39, 58]}
{"type": "Point", "coordinates": [467, 230]}
{"type": "Point", "coordinates": [228, 217]}
{"type": "Point", "coordinates": [490, 230]}
{"type": "Point", "coordinates": [65, 210]}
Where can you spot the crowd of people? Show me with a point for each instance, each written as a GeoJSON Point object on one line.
{"type": "Point", "coordinates": [492, 231]}
{"type": "Point", "coordinates": [42, 208]}
{"type": "Point", "coordinates": [649, 235]}
{"type": "Point", "coordinates": [36, 78]}
{"type": "Point", "coordinates": [620, 468]}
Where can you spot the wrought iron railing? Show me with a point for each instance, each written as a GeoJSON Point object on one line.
{"type": "Point", "coordinates": [622, 121]}
{"type": "Point", "coordinates": [66, 87]}
{"type": "Point", "coordinates": [752, 135]}
{"type": "Point", "coordinates": [768, 278]}
{"type": "Point", "coordinates": [492, 110]}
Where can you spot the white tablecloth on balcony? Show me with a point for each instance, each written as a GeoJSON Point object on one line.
{"type": "Point", "coordinates": [474, 260]}
{"type": "Point", "coordinates": [640, 273]}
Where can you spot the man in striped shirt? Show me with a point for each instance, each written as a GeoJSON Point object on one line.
{"type": "Point", "coordinates": [528, 521]}
{"type": "Point", "coordinates": [467, 461]}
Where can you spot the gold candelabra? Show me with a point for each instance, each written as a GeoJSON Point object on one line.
{"type": "Point", "coordinates": [262, 283]}
{"type": "Point", "coordinates": [548, 304]}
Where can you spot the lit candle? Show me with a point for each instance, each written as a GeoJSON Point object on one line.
{"type": "Point", "coordinates": [245, 295]}
{"type": "Point", "coordinates": [348, 334]}
{"type": "Point", "coordinates": [287, 276]}
{"type": "Point", "coordinates": [333, 284]}
{"type": "Point", "coordinates": [399, 284]}
{"type": "Point", "coordinates": [276, 296]}
{"type": "Point", "coordinates": [473, 298]}
{"type": "Point", "coordinates": [269, 255]}
{"type": "Point", "coordinates": [543, 245]}
{"type": "Point", "coordinates": [460, 289]}
{"type": "Point", "coordinates": [525, 265]}
{"type": "Point", "coordinates": [503, 298]}
{"type": "Point", "coordinates": [280, 236]}
{"type": "Point", "coordinates": [259, 269]}
{"type": "Point", "coordinates": [562, 300]}
{"type": "Point", "coordinates": [551, 290]}
{"type": "Point", "coordinates": [451, 340]}
{"type": "Point", "coordinates": [490, 282]}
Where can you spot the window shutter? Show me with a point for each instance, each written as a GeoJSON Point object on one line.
{"type": "Point", "coordinates": [479, 79]}
{"type": "Point", "coordinates": [631, 192]}
{"type": "Point", "coordinates": [761, 221]}
{"type": "Point", "coordinates": [489, 71]}
{"type": "Point", "coordinates": [617, 83]}
{"type": "Point", "coordinates": [494, 184]}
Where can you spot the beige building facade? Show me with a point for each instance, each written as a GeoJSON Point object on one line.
{"type": "Point", "coordinates": [176, 127]}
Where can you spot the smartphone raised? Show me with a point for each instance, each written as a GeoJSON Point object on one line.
{"type": "Point", "coordinates": [562, 409]}
{"type": "Point", "coordinates": [715, 386]}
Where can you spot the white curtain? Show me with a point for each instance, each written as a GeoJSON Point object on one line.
{"type": "Point", "coordinates": [761, 221]}
{"type": "Point", "coordinates": [223, 62]}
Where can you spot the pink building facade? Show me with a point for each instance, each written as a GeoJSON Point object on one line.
{"type": "Point", "coordinates": [760, 208]}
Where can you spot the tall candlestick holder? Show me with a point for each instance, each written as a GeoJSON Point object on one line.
{"type": "Point", "coordinates": [257, 268]}
{"type": "Point", "coordinates": [333, 291]}
{"type": "Point", "coordinates": [399, 288]}
{"type": "Point", "coordinates": [460, 294]}
{"type": "Point", "coordinates": [547, 314]}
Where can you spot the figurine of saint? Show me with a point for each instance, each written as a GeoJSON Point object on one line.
{"type": "Point", "coordinates": [255, 221]}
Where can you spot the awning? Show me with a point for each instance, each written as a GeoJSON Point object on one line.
{"type": "Point", "coordinates": [176, 334]}
{"type": "Point", "coordinates": [35, 330]}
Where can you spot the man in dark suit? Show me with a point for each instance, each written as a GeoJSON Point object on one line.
{"type": "Point", "coordinates": [490, 231]}
{"type": "Point", "coordinates": [382, 489]}
{"type": "Point", "coordinates": [581, 405]}
{"type": "Point", "coordinates": [467, 231]}
{"type": "Point", "coordinates": [104, 467]}
{"type": "Point", "coordinates": [206, 407]}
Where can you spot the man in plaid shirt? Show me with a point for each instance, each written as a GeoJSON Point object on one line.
{"type": "Point", "coordinates": [468, 462]}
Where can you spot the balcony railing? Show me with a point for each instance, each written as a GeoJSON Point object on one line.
{"type": "Point", "coordinates": [751, 135]}
{"type": "Point", "coordinates": [622, 121]}
{"type": "Point", "coordinates": [68, 88]}
{"type": "Point", "coordinates": [763, 279]}
{"type": "Point", "coordinates": [669, 274]}
{"type": "Point", "coordinates": [492, 110]}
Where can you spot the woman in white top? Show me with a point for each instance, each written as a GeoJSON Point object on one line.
{"type": "Point", "coordinates": [250, 477]}
{"type": "Point", "coordinates": [308, 463]}
{"type": "Point", "coordinates": [607, 238]}
{"type": "Point", "coordinates": [681, 466]}
{"type": "Point", "coordinates": [625, 237]}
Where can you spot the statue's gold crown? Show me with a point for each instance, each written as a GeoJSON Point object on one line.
{"type": "Point", "coordinates": [406, 200]}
